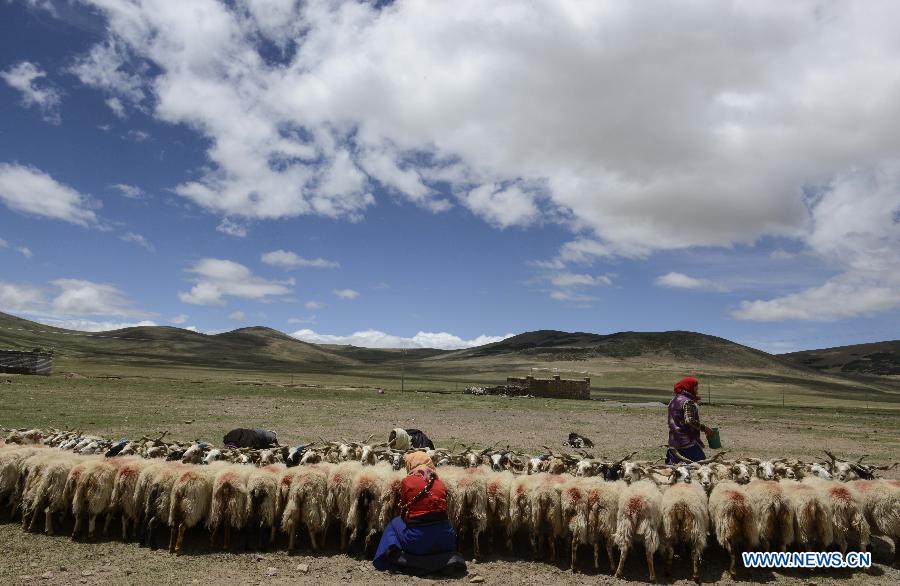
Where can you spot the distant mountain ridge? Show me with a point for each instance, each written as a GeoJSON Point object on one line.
{"type": "Point", "coordinates": [263, 348]}
{"type": "Point", "coordinates": [877, 358]}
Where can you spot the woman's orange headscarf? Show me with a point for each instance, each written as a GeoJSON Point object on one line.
{"type": "Point", "coordinates": [416, 460]}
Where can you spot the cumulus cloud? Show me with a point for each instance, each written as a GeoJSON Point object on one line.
{"type": "Point", "coordinates": [86, 325]}
{"type": "Point", "coordinates": [115, 104]}
{"type": "Point", "coordinates": [347, 294]}
{"type": "Point", "coordinates": [21, 297]}
{"type": "Point", "coordinates": [68, 299]}
{"type": "Point", "coordinates": [643, 126]}
{"type": "Point", "coordinates": [31, 191]}
{"type": "Point", "coordinates": [232, 228]}
{"type": "Point", "coordinates": [24, 251]}
{"type": "Point", "coordinates": [217, 278]}
{"type": "Point", "coordinates": [856, 228]}
{"type": "Point", "coordinates": [237, 316]}
{"type": "Point", "coordinates": [290, 260]}
{"type": "Point", "coordinates": [82, 297]}
{"type": "Point", "coordinates": [36, 91]}
{"type": "Point", "coordinates": [313, 305]}
{"type": "Point", "coordinates": [4, 243]}
{"type": "Point", "coordinates": [674, 280]}
{"type": "Point", "coordinates": [139, 240]}
{"type": "Point", "coordinates": [378, 339]}
{"type": "Point", "coordinates": [129, 191]}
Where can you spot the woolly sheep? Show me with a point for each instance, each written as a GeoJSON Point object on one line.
{"type": "Point", "coordinates": [638, 518]}
{"type": "Point", "coordinates": [306, 505]}
{"type": "Point", "coordinates": [603, 506]}
{"type": "Point", "coordinates": [228, 507]}
{"type": "Point", "coordinates": [685, 519]}
{"type": "Point", "coordinates": [190, 502]}
{"type": "Point", "coordinates": [812, 515]}
{"type": "Point", "coordinates": [733, 520]}
{"type": "Point", "coordinates": [262, 491]}
{"type": "Point", "coordinates": [773, 513]}
{"type": "Point", "coordinates": [848, 518]}
{"type": "Point", "coordinates": [880, 501]}
{"type": "Point", "coordinates": [467, 501]}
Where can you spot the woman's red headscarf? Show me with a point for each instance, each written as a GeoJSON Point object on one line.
{"type": "Point", "coordinates": [688, 385]}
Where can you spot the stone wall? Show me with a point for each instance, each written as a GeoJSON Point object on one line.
{"type": "Point", "coordinates": [17, 362]}
{"type": "Point", "coordinates": [555, 387]}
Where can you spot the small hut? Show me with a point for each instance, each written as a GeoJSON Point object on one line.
{"type": "Point", "coordinates": [37, 361]}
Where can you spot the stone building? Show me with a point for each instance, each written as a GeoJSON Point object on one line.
{"type": "Point", "coordinates": [556, 387]}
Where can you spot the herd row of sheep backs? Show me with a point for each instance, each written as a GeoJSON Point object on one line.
{"type": "Point", "coordinates": [744, 504]}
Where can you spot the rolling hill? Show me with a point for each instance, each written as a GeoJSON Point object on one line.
{"type": "Point", "coordinates": [260, 348]}
{"type": "Point", "coordinates": [879, 358]}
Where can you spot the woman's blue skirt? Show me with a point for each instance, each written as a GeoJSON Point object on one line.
{"type": "Point", "coordinates": [693, 453]}
{"type": "Point", "coordinates": [417, 540]}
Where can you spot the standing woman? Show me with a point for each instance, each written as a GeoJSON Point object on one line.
{"type": "Point", "coordinates": [684, 422]}
{"type": "Point", "coordinates": [422, 529]}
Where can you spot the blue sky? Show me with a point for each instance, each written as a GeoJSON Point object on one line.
{"type": "Point", "coordinates": [444, 174]}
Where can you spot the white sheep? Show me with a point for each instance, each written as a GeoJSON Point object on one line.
{"type": "Point", "coordinates": [603, 506]}
{"type": "Point", "coordinates": [812, 515]}
{"type": "Point", "coordinates": [685, 520]}
{"type": "Point", "coordinates": [733, 520]}
{"type": "Point", "coordinates": [498, 488]}
{"type": "Point", "coordinates": [519, 507]}
{"type": "Point", "coordinates": [306, 505]}
{"type": "Point", "coordinates": [153, 497]}
{"type": "Point", "coordinates": [92, 494]}
{"type": "Point", "coordinates": [124, 488]}
{"type": "Point", "coordinates": [638, 519]}
{"type": "Point", "coordinates": [228, 508]}
{"type": "Point", "coordinates": [773, 513]}
{"type": "Point", "coordinates": [367, 495]}
{"type": "Point", "coordinates": [467, 501]}
{"type": "Point", "coordinates": [575, 511]}
{"type": "Point", "coordinates": [262, 491]}
{"type": "Point", "coordinates": [340, 486]}
{"type": "Point", "coordinates": [848, 518]}
{"type": "Point", "coordinates": [880, 500]}
{"type": "Point", "coordinates": [190, 502]}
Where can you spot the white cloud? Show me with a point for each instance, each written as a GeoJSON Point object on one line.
{"type": "Point", "coordinates": [345, 294]}
{"type": "Point", "coordinates": [675, 280]}
{"type": "Point", "coordinates": [567, 279]}
{"type": "Point", "coordinates": [138, 135]}
{"type": "Point", "coordinates": [855, 228]}
{"type": "Point", "coordinates": [4, 243]}
{"type": "Point", "coordinates": [21, 297]}
{"type": "Point", "coordinates": [237, 316]}
{"type": "Point", "coordinates": [179, 319]}
{"type": "Point", "coordinates": [502, 206]}
{"type": "Point", "coordinates": [129, 191]}
{"type": "Point", "coordinates": [633, 121]}
{"type": "Point", "coordinates": [36, 91]}
{"type": "Point", "coordinates": [378, 339]}
{"type": "Point", "coordinates": [313, 305]}
{"type": "Point", "coordinates": [290, 260]}
{"type": "Point", "coordinates": [24, 251]}
{"type": "Point", "coordinates": [115, 104]}
{"type": "Point", "coordinates": [31, 191]}
{"type": "Point", "coordinates": [86, 325]}
{"type": "Point", "coordinates": [232, 228]}
{"type": "Point", "coordinates": [81, 297]}
{"type": "Point", "coordinates": [216, 278]}
{"type": "Point", "coordinates": [573, 297]}
{"type": "Point", "coordinates": [137, 239]}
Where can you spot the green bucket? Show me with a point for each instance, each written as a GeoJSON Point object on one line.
{"type": "Point", "coordinates": [715, 442]}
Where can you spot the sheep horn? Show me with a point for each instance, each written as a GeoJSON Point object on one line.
{"type": "Point", "coordinates": [861, 458]}
{"type": "Point", "coordinates": [678, 455]}
{"type": "Point", "coordinates": [831, 456]}
{"type": "Point", "coordinates": [628, 457]}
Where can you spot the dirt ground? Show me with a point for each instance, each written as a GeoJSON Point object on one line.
{"type": "Point", "coordinates": [40, 559]}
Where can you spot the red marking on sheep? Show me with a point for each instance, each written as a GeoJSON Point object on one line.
{"type": "Point", "coordinates": [575, 494]}
{"type": "Point", "coordinates": [493, 488]}
{"type": "Point", "coordinates": [286, 480]}
{"type": "Point", "coordinates": [863, 485]}
{"type": "Point", "coordinates": [593, 498]}
{"type": "Point", "coordinates": [839, 493]}
{"type": "Point", "coordinates": [635, 505]}
{"type": "Point", "coordinates": [186, 476]}
{"type": "Point", "coordinates": [229, 477]}
{"type": "Point", "coordinates": [772, 486]}
{"type": "Point", "coordinates": [520, 491]}
{"type": "Point", "coordinates": [736, 497]}
{"type": "Point", "coordinates": [129, 472]}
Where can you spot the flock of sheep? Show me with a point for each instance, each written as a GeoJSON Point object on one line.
{"type": "Point", "coordinates": [504, 496]}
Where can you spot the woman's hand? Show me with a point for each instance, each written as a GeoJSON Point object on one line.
{"type": "Point", "coordinates": [708, 431]}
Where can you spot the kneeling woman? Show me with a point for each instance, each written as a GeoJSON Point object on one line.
{"type": "Point", "coordinates": [422, 529]}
